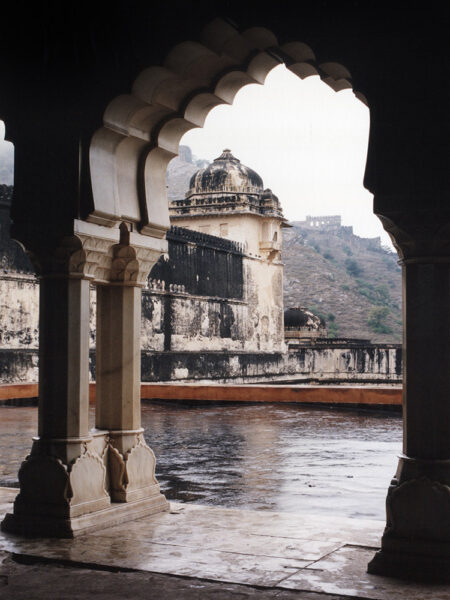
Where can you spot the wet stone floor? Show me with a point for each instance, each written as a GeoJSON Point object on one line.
{"type": "Point", "coordinates": [196, 552]}
{"type": "Point", "coordinates": [255, 457]}
{"type": "Point", "coordinates": [274, 502]}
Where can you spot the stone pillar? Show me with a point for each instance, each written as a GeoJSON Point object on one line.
{"type": "Point", "coordinates": [63, 479]}
{"type": "Point", "coordinates": [118, 374]}
{"type": "Point", "coordinates": [416, 541]}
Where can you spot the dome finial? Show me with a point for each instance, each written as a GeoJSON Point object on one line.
{"type": "Point", "coordinates": [227, 155]}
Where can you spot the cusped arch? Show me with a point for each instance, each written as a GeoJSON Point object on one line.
{"type": "Point", "coordinates": [142, 130]}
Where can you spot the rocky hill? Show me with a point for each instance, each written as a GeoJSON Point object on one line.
{"type": "Point", "coordinates": [353, 283]}
{"type": "Point", "coordinates": [180, 171]}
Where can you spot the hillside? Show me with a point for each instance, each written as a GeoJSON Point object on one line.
{"type": "Point", "coordinates": [352, 282]}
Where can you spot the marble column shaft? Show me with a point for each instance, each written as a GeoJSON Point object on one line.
{"type": "Point", "coordinates": [131, 463]}
{"type": "Point", "coordinates": [427, 360]}
{"type": "Point", "coordinates": [64, 357]}
{"type": "Point", "coordinates": [118, 361]}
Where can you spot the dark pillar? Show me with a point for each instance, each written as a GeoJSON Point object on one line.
{"type": "Point", "coordinates": [416, 541]}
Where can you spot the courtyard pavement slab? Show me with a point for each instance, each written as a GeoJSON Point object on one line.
{"type": "Point", "coordinates": [278, 552]}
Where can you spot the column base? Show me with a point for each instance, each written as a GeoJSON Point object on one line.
{"type": "Point", "coordinates": [116, 513]}
{"type": "Point", "coordinates": [416, 542]}
{"type": "Point", "coordinates": [406, 565]}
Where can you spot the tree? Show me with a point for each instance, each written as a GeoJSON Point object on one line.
{"type": "Point", "coordinates": [353, 267]}
{"type": "Point", "coordinates": [377, 320]}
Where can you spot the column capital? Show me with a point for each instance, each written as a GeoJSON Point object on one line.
{"type": "Point", "coordinates": [133, 258]}
{"type": "Point", "coordinates": [419, 234]}
{"type": "Point", "coordinates": [78, 255]}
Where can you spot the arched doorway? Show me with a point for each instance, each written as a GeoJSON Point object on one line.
{"type": "Point", "coordinates": [420, 226]}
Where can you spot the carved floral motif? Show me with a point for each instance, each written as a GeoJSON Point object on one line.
{"type": "Point", "coordinates": [133, 472]}
{"type": "Point", "coordinates": [87, 479]}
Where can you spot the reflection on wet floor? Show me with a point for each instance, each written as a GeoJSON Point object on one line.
{"type": "Point", "coordinates": [259, 457]}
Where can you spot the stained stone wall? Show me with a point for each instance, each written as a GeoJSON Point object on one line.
{"type": "Point", "coordinates": [194, 338]}
{"type": "Point", "coordinates": [375, 364]}
{"type": "Point", "coordinates": [19, 311]}
{"type": "Point", "coordinates": [211, 312]}
{"type": "Point", "coordinates": [209, 294]}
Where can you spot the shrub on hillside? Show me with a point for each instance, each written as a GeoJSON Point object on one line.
{"type": "Point", "coordinates": [377, 320]}
{"type": "Point", "coordinates": [353, 268]}
{"type": "Point", "coordinates": [332, 326]}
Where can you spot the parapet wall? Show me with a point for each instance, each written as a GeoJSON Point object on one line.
{"type": "Point", "coordinates": [374, 364]}
{"type": "Point", "coordinates": [371, 364]}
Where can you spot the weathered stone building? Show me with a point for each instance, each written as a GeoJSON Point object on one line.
{"type": "Point", "coordinates": [212, 309]}
{"type": "Point", "coordinates": [228, 199]}
{"type": "Point", "coordinates": [214, 306]}
{"type": "Point", "coordinates": [19, 304]}
{"type": "Point", "coordinates": [301, 324]}
{"type": "Point", "coordinates": [200, 323]}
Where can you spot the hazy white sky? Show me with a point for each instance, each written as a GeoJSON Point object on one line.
{"type": "Point", "coordinates": [308, 143]}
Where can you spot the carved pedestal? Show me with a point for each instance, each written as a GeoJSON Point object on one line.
{"type": "Point", "coordinates": [58, 495]}
{"type": "Point", "coordinates": [132, 467]}
{"type": "Point", "coordinates": [416, 541]}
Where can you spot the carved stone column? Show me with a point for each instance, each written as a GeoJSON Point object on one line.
{"type": "Point", "coordinates": [118, 373]}
{"type": "Point", "coordinates": [62, 481]}
{"type": "Point", "coordinates": [416, 541]}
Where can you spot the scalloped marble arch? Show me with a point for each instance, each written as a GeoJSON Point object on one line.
{"type": "Point", "coordinates": [142, 130]}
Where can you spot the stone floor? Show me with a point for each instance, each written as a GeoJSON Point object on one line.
{"type": "Point", "coordinates": [201, 552]}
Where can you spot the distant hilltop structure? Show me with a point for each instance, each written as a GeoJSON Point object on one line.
{"type": "Point", "coordinates": [330, 223]}
{"type": "Point", "coordinates": [326, 222]}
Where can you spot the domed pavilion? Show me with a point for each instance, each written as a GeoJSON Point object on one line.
{"type": "Point", "coordinates": [228, 199]}
{"type": "Point", "coordinates": [302, 323]}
